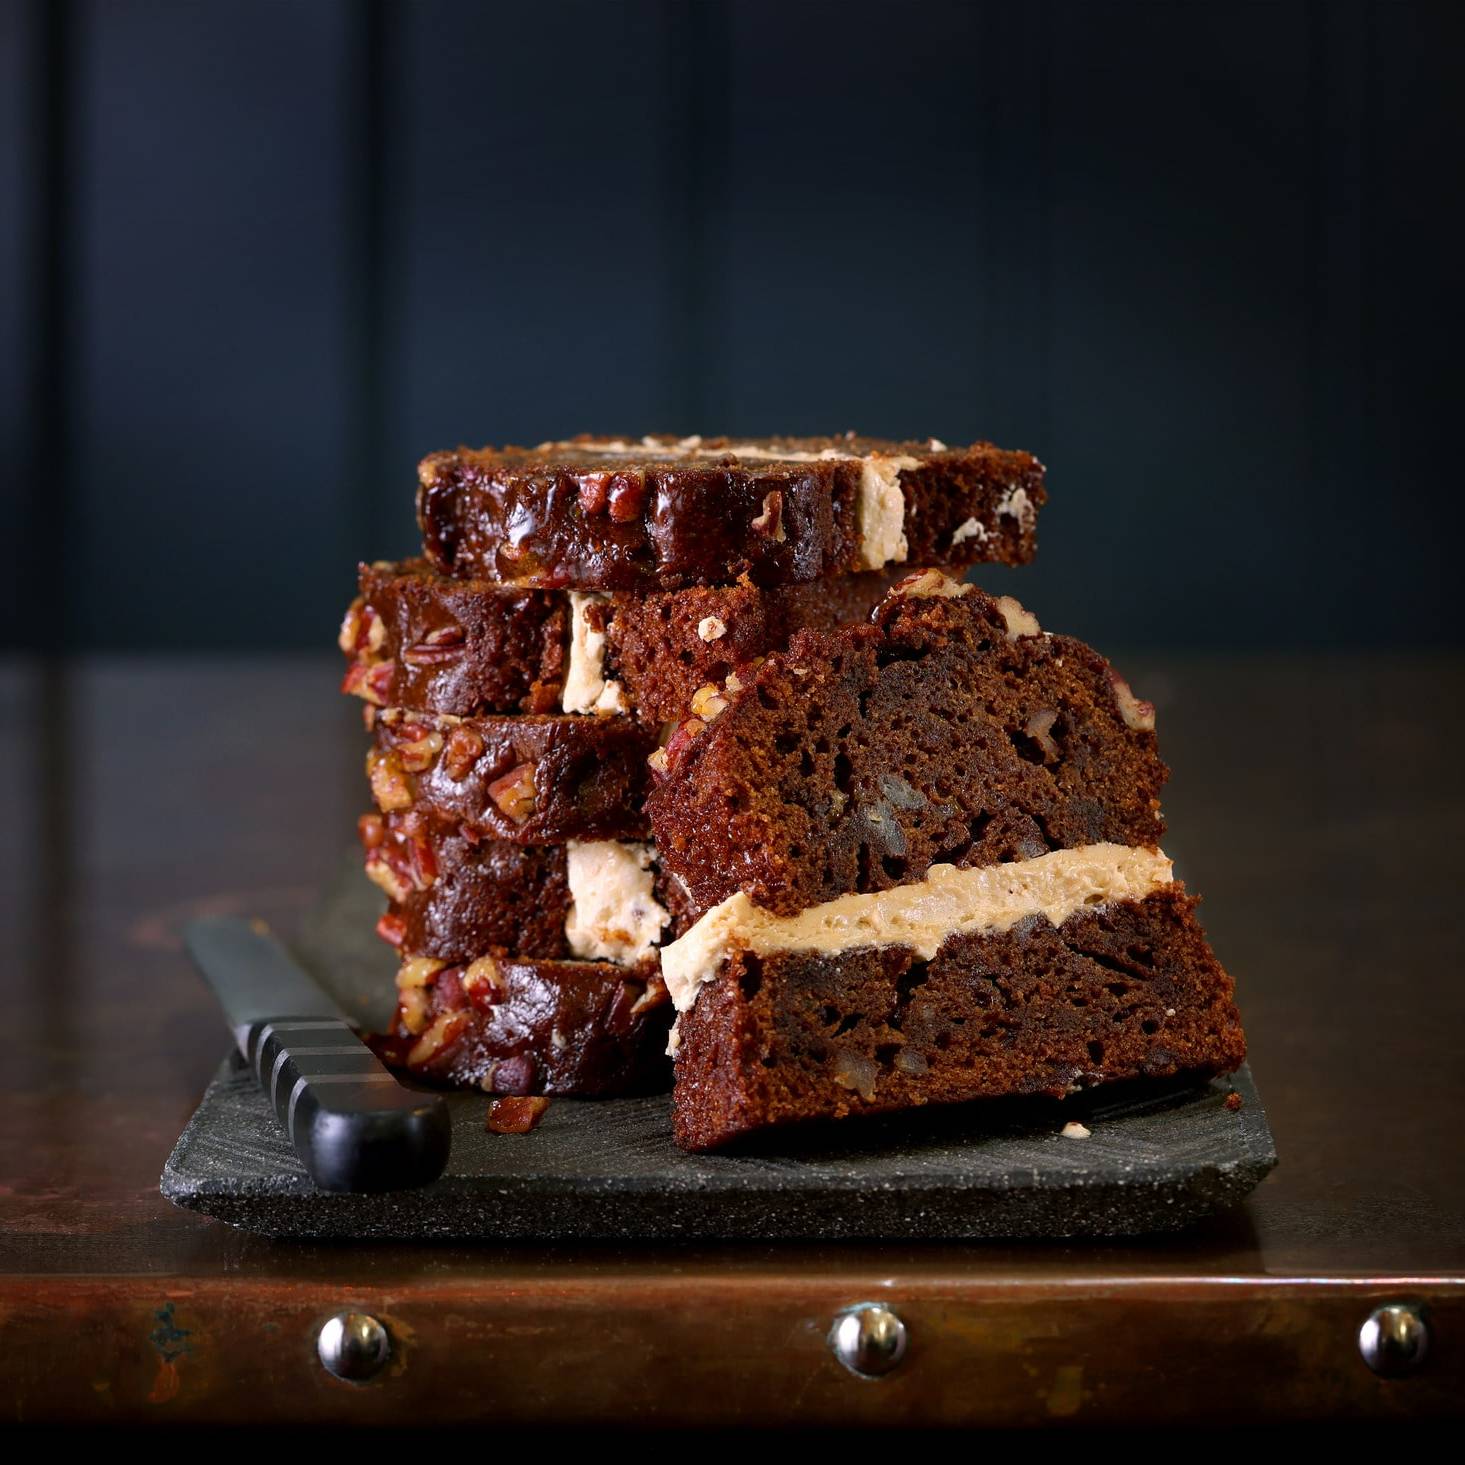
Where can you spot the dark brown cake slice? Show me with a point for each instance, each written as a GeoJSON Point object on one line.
{"type": "Point", "coordinates": [932, 847]}
{"type": "Point", "coordinates": [454, 894]}
{"type": "Point", "coordinates": [950, 729]}
{"type": "Point", "coordinates": [1124, 990]}
{"type": "Point", "coordinates": [511, 1025]}
{"type": "Point", "coordinates": [666, 513]}
{"type": "Point", "coordinates": [430, 643]}
{"type": "Point", "coordinates": [529, 779]}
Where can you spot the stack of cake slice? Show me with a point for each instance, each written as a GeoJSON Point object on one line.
{"type": "Point", "coordinates": [582, 609]}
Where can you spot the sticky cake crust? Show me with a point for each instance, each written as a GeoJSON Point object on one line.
{"type": "Point", "coordinates": [529, 779]}
{"type": "Point", "coordinates": [510, 1025]}
{"type": "Point", "coordinates": [654, 518]}
{"type": "Point", "coordinates": [423, 641]}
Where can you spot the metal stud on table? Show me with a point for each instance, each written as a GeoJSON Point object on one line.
{"type": "Point", "coordinates": [1394, 1339]}
{"type": "Point", "coordinates": [869, 1339]}
{"type": "Point", "coordinates": [353, 1346]}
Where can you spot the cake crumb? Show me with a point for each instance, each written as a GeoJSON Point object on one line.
{"type": "Point", "coordinates": [1074, 1130]}
{"type": "Point", "coordinates": [515, 1115]}
{"type": "Point", "coordinates": [1233, 1101]}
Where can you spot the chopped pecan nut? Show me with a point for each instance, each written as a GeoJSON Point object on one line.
{"type": "Point", "coordinates": [653, 997]}
{"type": "Point", "coordinates": [370, 681]}
{"type": "Point", "coordinates": [682, 739]}
{"type": "Point", "coordinates": [414, 1011]}
{"type": "Point", "coordinates": [437, 648]}
{"type": "Point", "coordinates": [515, 1115]}
{"type": "Point", "coordinates": [770, 521]}
{"type": "Point", "coordinates": [392, 928]}
{"type": "Point", "coordinates": [514, 792]}
{"type": "Point", "coordinates": [390, 786]}
{"type": "Point", "coordinates": [418, 971]}
{"type": "Point", "coordinates": [1039, 728]}
{"type": "Point", "coordinates": [711, 628]}
{"type": "Point", "coordinates": [445, 1030]}
{"type": "Point", "coordinates": [1138, 716]}
{"type": "Point", "coordinates": [351, 627]}
{"type": "Point", "coordinates": [707, 702]}
{"type": "Point", "coordinates": [462, 750]}
{"type": "Point", "coordinates": [1020, 621]}
{"type": "Point", "coordinates": [594, 492]}
{"type": "Point", "coordinates": [627, 497]}
{"type": "Point", "coordinates": [856, 1071]}
{"type": "Point", "coordinates": [371, 830]}
{"type": "Point", "coordinates": [484, 982]}
{"type": "Point", "coordinates": [381, 874]}
{"type": "Point", "coordinates": [417, 745]}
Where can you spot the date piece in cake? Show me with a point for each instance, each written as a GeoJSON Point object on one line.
{"type": "Point", "coordinates": [529, 779]}
{"type": "Point", "coordinates": [454, 894]}
{"type": "Point", "coordinates": [666, 513]}
{"type": "Point", "coordinates": [429, 643]}
{"type": "Point", "coordinates": [513, 1025]}
{"type": "Point", "coordinates": [950, 729]}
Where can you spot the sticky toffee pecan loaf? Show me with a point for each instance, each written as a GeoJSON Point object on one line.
{"type": "Point", "coordinates": [430, 643]}
{"type": "Point", "coordinates": [512, 1025]}
{"type": "Point", "coordinates": [929, 846]}
{"type": "Point", "coordinates": [529, 779]}
{"type": "Point", "coordinates": [453, 894]}
{"type": "Point", "coordinates": [666, 513]}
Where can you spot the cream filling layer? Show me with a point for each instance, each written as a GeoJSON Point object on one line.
{"type": "Point", "coordinates": [879, 505]}
{"type": "Point", "coordinates": [586, 688]}
{"type": "Point", "coordinates": [614, 914]}
{"type": "Point", "coordinates": [948, 902]}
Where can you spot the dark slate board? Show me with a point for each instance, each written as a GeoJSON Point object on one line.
{"type": "Point", "coordinates": [1157, 1159]}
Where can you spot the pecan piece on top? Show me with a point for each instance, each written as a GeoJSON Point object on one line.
{"type": "Point", "coordinates": [514, 792]}
{"type": "Point", "coordinates": [417, 745]}
{"type": "Point", "coordinates": [390, 786]}
{"type": "Point", "coordinates": [462, 750]}
{"type": "Point", "coordinates": [436, 648]}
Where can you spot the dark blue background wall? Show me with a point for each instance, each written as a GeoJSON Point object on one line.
{"type": "Point", "coordinates": [256, 257]}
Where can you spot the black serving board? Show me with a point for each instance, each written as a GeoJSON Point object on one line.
{"type": "Point", "coordinates": [1156, 1160]}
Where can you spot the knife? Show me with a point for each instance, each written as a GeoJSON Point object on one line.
{"type": "Point", "coordinates": [353, 1125]}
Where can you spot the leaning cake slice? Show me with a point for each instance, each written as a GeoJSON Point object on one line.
{"type": "Point", "coordinates": [925, 855]}
{"type": "Point", "coordinates": [666, 513]}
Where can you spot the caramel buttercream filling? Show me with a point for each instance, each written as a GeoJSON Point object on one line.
{"type": "Point", "coordinates": [922, 915]}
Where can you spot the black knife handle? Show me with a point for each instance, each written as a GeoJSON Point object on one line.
{"type": "Point", "coordinates": [353, 1125]}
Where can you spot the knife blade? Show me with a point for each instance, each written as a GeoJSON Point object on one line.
{"type": "Point", "coordinates": [353, 1125]}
